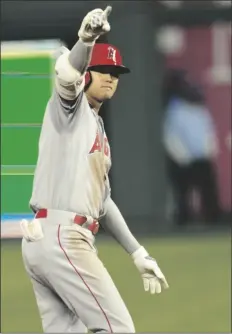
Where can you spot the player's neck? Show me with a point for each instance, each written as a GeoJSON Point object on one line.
{"type": "Point", "coordinates": [95, 104]}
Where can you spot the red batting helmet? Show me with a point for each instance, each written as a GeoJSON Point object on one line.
{"type": "Point", "coordinates": [105, 56]}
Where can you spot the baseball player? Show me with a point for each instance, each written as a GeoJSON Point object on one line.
{"type": "Point", "coordinates": [71, 193]}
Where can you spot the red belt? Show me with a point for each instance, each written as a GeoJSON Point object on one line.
{"type": "Point", "coordinates": [79, 220]}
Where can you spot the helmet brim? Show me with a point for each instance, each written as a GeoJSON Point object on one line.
{"type": "Point", "coordinates": [119, 69]}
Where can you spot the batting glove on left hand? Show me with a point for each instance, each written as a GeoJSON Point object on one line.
{"type": "Point", "coordinates": [94, 24]}
{"type": "Point", "coordinates": [153, 278]}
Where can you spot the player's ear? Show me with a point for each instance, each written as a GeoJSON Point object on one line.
{"type": "Point", "coordinates": [88, 80]}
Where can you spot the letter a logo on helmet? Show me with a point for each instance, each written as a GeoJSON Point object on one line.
{"type": "Point", "coordinates": [112, 54]}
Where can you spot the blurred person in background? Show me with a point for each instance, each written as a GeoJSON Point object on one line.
{"type": "Point", "coordinates": [190, 145]}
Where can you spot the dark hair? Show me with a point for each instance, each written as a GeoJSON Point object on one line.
{"type": "Point", "coordinates": [177, 84]}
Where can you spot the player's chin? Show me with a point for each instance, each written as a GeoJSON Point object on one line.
{"type": "Point", "coordinates": [107, 96]}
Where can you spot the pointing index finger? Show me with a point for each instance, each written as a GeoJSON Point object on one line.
{"type": "Point", "coordinates": [107, 11]}
{"type": "Point", "coordinates": [165, 283]}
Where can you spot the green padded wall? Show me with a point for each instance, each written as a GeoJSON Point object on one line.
{"type": "Point", "coordinates": [26, 86]}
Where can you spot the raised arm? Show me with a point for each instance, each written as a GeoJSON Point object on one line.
{"type": "Point", "coordinates": [70, 69]}
{"type": "Point", "coordinates": [71, 66]}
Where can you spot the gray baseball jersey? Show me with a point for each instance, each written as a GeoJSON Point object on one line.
{"type": "Point", "coordinates": [74, 159]}
{"type": "Point", "coordinates": [73, 289]}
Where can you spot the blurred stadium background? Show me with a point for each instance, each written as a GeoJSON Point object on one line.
{"type": "Point", "coordinates": [153, 36]}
